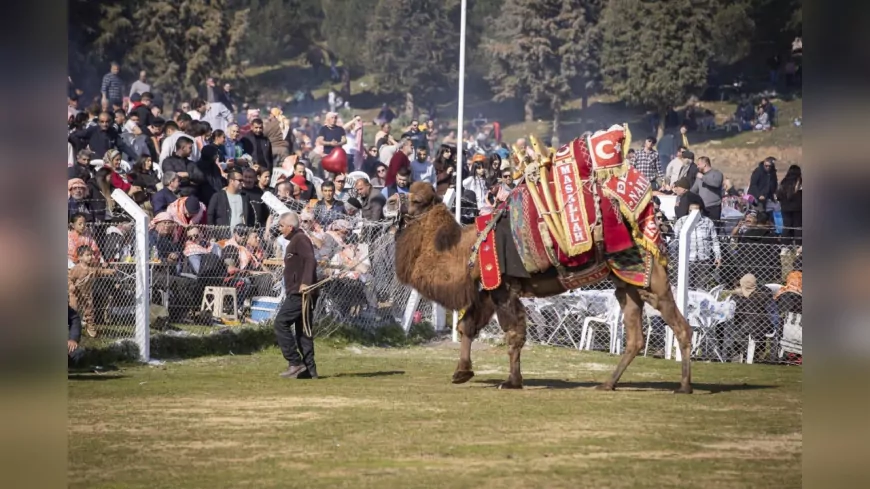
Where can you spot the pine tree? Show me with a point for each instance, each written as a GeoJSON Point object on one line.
{"type": "Point", "coordinates": [345, 24]}
{"type": "Point", "coordinates": [183, 43]}
{"type": "Point", "coordinates": [281, 28]}
{"type": "Point", "coordinates": [411, 49]}
{"type": "Point", "coordinates": [656, 54]}
{"type": "Point", "coordinates": [544, 52]}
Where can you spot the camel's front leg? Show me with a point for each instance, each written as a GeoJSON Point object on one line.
{"type": "Point", "coordinates": [475, 318]}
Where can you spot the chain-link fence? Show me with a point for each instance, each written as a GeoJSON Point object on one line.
{"type": "Point", "coordinates": [205, 278]}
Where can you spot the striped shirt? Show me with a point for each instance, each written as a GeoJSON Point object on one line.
{"type": "Point", "coordinates": [703, 241]}
{"type": "Point", "coordinates": [113, 87]}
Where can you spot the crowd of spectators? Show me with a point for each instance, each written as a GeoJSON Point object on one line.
{"type": "Point", "coordinates": [200, 172]}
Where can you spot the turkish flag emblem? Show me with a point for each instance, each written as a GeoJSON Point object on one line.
{"type": "Point", "coordinates": [605, 148]}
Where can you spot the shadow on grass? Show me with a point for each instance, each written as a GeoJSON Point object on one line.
{"type": "Point", "coordinates": [654, 386]}
{"type": "Point", "coordinates": [91, 376]}
{"type": "Point", "coordinates": [371, 374]}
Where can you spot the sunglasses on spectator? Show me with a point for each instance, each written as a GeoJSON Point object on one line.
{"type": "Point", "coordinates": [506, 175]}
{"type": "Point", "coordinates": [382, 170]}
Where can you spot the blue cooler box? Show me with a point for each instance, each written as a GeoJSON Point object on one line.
{"type": "Point", "coordinates": [264, 308]}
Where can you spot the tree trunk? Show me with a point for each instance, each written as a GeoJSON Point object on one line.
{"type": "Point", "coordinates": [557, 120]}
{"type": "Point", "coordinates": [660, 130]}
{"type": "Point", "coordinates": [409, 105]}
{"type": "Point", "coordinates": [584, 100]}
{"type": "Point", "coordinates": [529, 111]}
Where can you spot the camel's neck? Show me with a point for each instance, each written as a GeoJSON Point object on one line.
{"type": "Point", "coordinates": [432, 257]}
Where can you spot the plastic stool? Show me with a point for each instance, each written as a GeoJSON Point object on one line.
{"type": "Point", "coordinates": [213, 300]}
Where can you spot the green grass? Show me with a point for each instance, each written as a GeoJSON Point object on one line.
{"type": "Point", "coordinates": [390, 418]}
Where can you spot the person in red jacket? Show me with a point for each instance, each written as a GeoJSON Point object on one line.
{"type": "Point", "coordinates": [399, 160]}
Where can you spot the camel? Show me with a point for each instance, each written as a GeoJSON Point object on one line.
{"type": "Point", "coordinates": [432, 252]}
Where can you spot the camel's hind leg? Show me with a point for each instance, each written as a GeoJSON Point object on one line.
{"type": "Point", "coordinates": [660, 297]}
{"type": "Point", "coordinates": [475, 318]}
{"type": "Point", "coordinates": [632, 309]}
{"type": "Point", "coordinates": [512, 319]}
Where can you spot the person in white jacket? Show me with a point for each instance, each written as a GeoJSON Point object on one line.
{"type": "Point", "coordinates": [477, 184]}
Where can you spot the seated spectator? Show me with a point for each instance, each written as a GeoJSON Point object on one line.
{"type": "Point", "coordinates": [341, 192]}
{"type": "Point", "coordinates": [789, 301]}
{"type": "Point", "coordinates": [112, 161]}
{"type": "Point", "coordinates": [200, 255]}
{"type": "Point", "coordinates": [371, 162]}
{"type": "Point", "coordinates": [82, 167]}
{"type": "Point", "coordinates": [80, 285]}
{"type": "Point", "coordinates": [762, 120]}
{"type": "Point", "coordinates": [755, 315]}
{"type": "Point", "coordinates": [180, 164]}
{"type": "Point", "coordinates": [78, 203]}
{"type": "Point", "coordinates": [402, 184]}
{"type": "Point", "coordinates": [378, 181]}
{"type": "Point", "coordinates": [118, 244]}
{"type": "Point", "coordinates": [239, 240]}
{"type": "Point", "coordinates": [162, 237]}
{"type": "Point", "coordinates": [144, 176]}
{"type": "Point", "coordinates": [167, 195]}
{"type": "Point", "coordinates": [186, 211]}
{"type": "Point", "coordinates": [79, 235]}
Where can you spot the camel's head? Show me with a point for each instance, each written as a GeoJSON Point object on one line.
{"type": "Point", "coordinates": [420, 198]}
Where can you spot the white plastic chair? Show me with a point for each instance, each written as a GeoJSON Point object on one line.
{"type": "Point", "coordinates": [792, 335]}
{"type": "Point", "coordinates": [716, 291]}
{"type": "Point", "coordinates": [604, 311]}
{"type": "Point", "coordinates": [773, 287]}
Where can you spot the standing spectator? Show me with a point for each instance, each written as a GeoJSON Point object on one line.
{"type": "Point", "coordinates": [100, 138]}
{"type": "Point", "coordinates": [330, 135]}
{"type": "Point", "coordinates": [445, 165]}
{"type": "Point", "coordinates": [256, 144]}
{"type": "Point", "coordinates": [80, 284]}
{"type": "Point", "coordinates": [708, 185]}
{"type": "Point", "coordinates": [180, 164]}
{"type": "Point", "coordinates": [207, 175]}
{"type": "Point", "coordinates": [685, 198]}
{"type": "Point", "coordinates": [400, 160]}
{"type": "Point", "coordinates": [254, 184]}
{"type": "Point", "coordinates": [704, 250]}
{"type": "Point", "coordinates": [141, 85]}
{"type": "Point", "coordinates": [230, 206]}
{"type": "Point", "coordinates": [112, 88]}
{"type": "Point", "coordinates": [218, 116]}
{"type": "Point", "coordinates": [168, 194]}
{"type": "Point", "coordinates": [790, 196]}
{"type": "Point", "coordinates": [762, 183]}
{"type": "Point", "coordinates": [272, 129]}
{"type": "Point", "coordinates": [143, 176]}
{"type": "Point", "coordinates": [79, 235]}
{"type": "Point", "coordinates": [173, 132]}
{"type": "Point", "coordinates": [371, 162]}
{"type": "Point", "coordinates": [646, 161]}
{"type": "Point", "coordinates": [232, 148]}
{"type": "Point", "coordinates": [422, 169]}
{"type": "Point", "coordinates": [309, 192]}
{"type": "Point", "coordinates": [328, 209]}
{"type": "Point", "coordinates": [476, 182]}
{"type": "Point", "coordinates": [673, 170]}
{"type": "Point", "coordinates": [378, 181]}
{"type": "Point", "coordinates": [372, 200]}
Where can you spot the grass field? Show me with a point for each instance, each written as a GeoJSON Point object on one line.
{"type": "Point", "coordinates": [390, 418]}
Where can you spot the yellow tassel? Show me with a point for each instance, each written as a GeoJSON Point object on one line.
{"type": "Point", "coordinates": [627, 142]}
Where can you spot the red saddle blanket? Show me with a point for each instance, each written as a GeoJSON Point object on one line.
{"type": "Point", "coordinates": [623, 200]}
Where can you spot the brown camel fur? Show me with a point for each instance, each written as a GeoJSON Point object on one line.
{"type": "Point", "coordinates": [432, 253]}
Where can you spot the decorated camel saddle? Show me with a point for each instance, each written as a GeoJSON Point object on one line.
{"type": "Point", "coordinates": [582, 211]}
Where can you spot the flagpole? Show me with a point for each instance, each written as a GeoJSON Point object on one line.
{"type": "Point", "coordinates": [459, 136]}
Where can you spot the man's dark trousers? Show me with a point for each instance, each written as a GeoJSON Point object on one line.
{"type": "Point", "coordinates": [291, 337]}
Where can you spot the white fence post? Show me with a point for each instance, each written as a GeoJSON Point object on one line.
{"type": "Point", "coordinates": [143, 273]}
{"type": "Point", "coordinates": [439, 315]}
{"type": "Point", "coordinates": [682, 279]}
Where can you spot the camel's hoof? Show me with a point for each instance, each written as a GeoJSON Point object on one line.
{"type": "Point", "coordinates": [510, 385]}
{"type": "Point", "coordinates": [604, 387]}
{"type": "Point", "coordinates": [462, 376]}
{"type": "Point", "coordinates": [684, 390]}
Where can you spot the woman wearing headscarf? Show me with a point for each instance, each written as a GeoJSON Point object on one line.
{"type": "Point", "coordinates": [208, 177]}
{"type": "Point", "coordinates": [112, 161]}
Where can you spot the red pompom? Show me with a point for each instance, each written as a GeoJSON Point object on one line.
{"type": "Point", "coordinates": [335, 161]}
